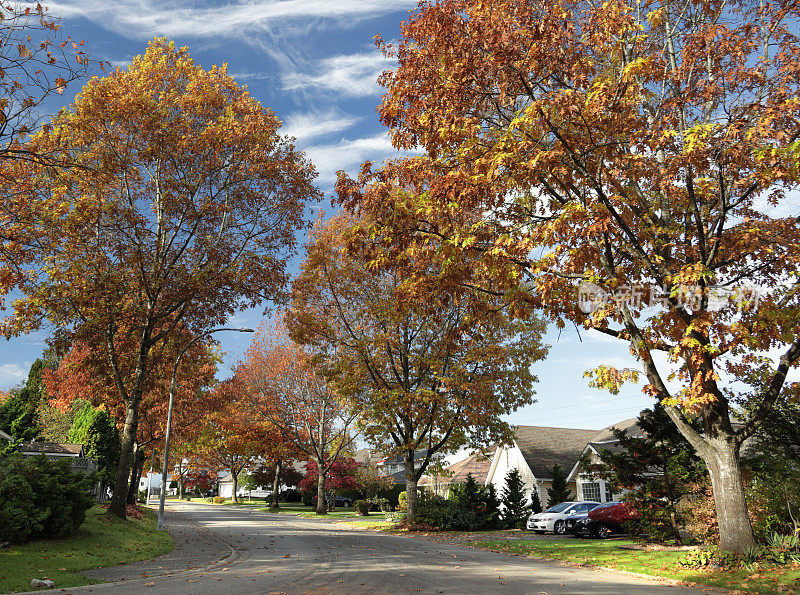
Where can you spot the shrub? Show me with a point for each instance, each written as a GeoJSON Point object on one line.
{"type": "Point", "coordinates": [218, 500]}
{"type": "Point", "coordinates": [402, 501]}
{"type": "Point", "coordinates": [444, 514]}
{"type": "Point", "coordinates": [290, 495]}
{"type": "Point", "coordinates": [307, 497]}
{"type": "Point", "coordinates": [362, 506]}
{"type": "Point", "coordinates": [41, 498]}
{"type": "Point", "coordinates": [379, 504]}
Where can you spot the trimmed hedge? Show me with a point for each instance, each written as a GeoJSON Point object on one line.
{"type": "Point", "coordinates": [41, 499]}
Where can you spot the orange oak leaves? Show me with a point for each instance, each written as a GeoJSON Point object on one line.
{"type": "Point", "coordinates": [648, 148]}
{"type": "Point", "coordinates": [182, 211]}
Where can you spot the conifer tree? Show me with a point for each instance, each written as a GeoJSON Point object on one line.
{"type": "Point", "coordinates": [536, 503]}
{"type": "Point", "coordinates": [515, 510]}
{"type": "Point", "coordinates": [558, 491]}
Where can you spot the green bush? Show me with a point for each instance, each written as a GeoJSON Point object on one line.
{"type": "Point", "coordinates": [362, 506]}
{"type": "Point", "coordinates": [481, 500]}
{"type": "Point", "coordinates": [41, 499]}
{"type": "Point", "coordinates": [392, 494]}
{"type": "Point", "coordinates": [218, 500]}
{"type": "Point", "coordinates": [444, 514]}
{"type": "Point", "coordinates": [290, 495]}
{"type": "Point", "coordinates": [402, 501]}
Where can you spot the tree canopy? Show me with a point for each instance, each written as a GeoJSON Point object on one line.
{"type": "Point", "coordinates": [645, 148]}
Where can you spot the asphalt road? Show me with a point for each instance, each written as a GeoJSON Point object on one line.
{"type": "Point", "coordinates": [243, 551]}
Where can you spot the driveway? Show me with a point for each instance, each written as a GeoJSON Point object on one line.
{"type": "Point", "coordinates": [245, 551]}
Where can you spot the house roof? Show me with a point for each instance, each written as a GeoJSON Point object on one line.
{"type": "Point", "coordinates": [630, 426]}
{"type": "Point", "coordinates": [477, 464]}
{"type": "Point", "coordinates": [75, 450]}
{"type": "Point", "coordinates": [543, 447]}
{"type": "Point", "coordinates": [418, 456]}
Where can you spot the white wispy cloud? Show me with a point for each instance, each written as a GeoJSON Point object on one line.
{"type": "Point", "coordinates": [351, 75]}
{"type": "Point", "coordinates": [182, 18]}
{"type": "Point", "coordinates": [304, 126]}
{"type": "Point", "coordinates": [13, 374]}
{"type": "Point", "coordinates": [348, 154]}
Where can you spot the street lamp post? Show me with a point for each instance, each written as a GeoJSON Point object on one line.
{"type": "Point", "coordinates": [169, 413]}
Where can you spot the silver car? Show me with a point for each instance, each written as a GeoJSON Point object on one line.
{"type": "Point", "coordinates": [553, 519]}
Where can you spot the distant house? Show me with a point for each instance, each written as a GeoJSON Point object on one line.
{"type": "Point", "coordinates": [478, 465]}
{"type": "Point", "coordinates": [52, 450]}
{"type": "Point", "coordinates": [395, 467]}
{"type": "Point", "coordinates": [534, 452]}
{"type": "Point", "coordinates": [73, 453]}
{"type": "Point", "coordinates": [590, 486]}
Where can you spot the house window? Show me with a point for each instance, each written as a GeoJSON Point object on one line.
{"type": "Point", "coordinates": [609, 494]}
{"type": "Point", "coordinates": [591, 491]}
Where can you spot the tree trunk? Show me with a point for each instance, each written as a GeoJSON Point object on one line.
{"type": "Point", "coordinates": [735, 531]}
{"type": "Point", "coordinates": [137, 468]}
{"type": "Point", "coordinates": [235, 484]}
{"type": "Point", "coordinates": [276, 484]}
{"type": "Point", "coordinates": [411, 487]}
{"type": "Point", "coordinates": [322, 506]}
{"type": "Point", "coordinates": [118, 499]}
{"type": "Point", "coordinates": [180, 489]}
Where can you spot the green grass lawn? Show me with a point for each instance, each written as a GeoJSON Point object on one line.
{"type": "Point", "coordinates": [100, 541]}
{"type": "Point", "coordinates": [375, 519]}
{"type": "Point", "coordinates": [765, 579]}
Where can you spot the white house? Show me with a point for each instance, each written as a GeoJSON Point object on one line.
{"type": "Point", "coordinates": [534, 452]}
{"type": "Point", "coordinates": [591, 486]}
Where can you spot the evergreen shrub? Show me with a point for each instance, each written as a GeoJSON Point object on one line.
{"type": "Point", "coordinates": [41, 499]}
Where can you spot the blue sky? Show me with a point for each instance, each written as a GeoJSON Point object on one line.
{"type": "Point", "coordinates": [313, 62]}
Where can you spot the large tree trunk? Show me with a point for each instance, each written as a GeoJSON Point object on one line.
{"type": "Point", "coordinates": [411, 487]}
{"type": "Point", "coordinates": [735, 531]}
{"type": "Point", "coordinates": [719, 450]}
{"type": "Point", "coordinates": [276, 484]}
{"type": "Point", "coordinates": [118, 499]}
{"type": "Point", "coordinates": [322, 506]}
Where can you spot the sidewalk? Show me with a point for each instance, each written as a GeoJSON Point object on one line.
{"type": "Point", "coordinates": [195, 547]}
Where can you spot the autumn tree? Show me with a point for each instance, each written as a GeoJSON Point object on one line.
{"type": "Point", "coordinates": [647, 148]}
{"type": "Point", "coordinates": [38, 62]}
{"type": "Point", "coordinates": [83, 375]}
{"type": "Point", "coordinates": [182, 212]}
{"type": "Point", "coordinates": [429, 370]}
{"type": "Point", "coordinates": [342, 475]}
{"type": "Point", "coordinates": [288, 391]}
{"type": "Point", "coordinates": [231, 439]}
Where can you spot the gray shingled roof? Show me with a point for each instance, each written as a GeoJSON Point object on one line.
{"type": "Point", "coordinates": [52, 447]}
{"type": "Point", "coordinates": [629, 425]}
{"type": "Point", "coordinates": [543, 447]}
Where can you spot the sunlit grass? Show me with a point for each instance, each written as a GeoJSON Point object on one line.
{"type": "Point", "coordinates": [102, 540]}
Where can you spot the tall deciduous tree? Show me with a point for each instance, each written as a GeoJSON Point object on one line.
{"type": "Point", "coordinates": [645, 147]}
{"type": "Point", "coordinates": [427, 370]}
{"type": "Point", "coordinates": [38, 62]}
{"type": "Point", "coordinates": [288, 391]}
{"type": "Point", "coordinates": [183, 211]}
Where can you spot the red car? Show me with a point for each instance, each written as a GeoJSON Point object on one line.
{"type": "Point", "coordinates": [606, 519]}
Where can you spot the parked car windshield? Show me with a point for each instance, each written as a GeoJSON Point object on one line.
{"type": "Point", "coordinates": [559, 507]}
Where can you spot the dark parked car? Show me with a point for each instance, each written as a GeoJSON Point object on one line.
{"type": "Point", "coordinates": [605, 520]}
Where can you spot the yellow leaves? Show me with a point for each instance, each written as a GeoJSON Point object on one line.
{"type": "Point", "coordinates": [656, 17]}
{"type": "Point", "coordinates": [610, 378]}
